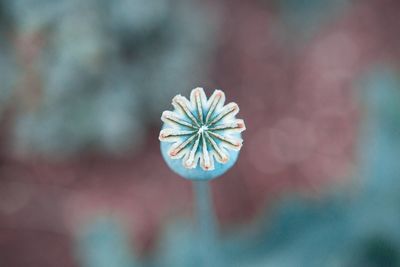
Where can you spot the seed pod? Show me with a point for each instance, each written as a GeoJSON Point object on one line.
{"type": "Point", "coordinates": [201, 138]}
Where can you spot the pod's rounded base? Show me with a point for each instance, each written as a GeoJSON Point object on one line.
{"type": "Point", "coordinates": [197, 173]}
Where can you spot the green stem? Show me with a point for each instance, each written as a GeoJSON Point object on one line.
{"type": "Point", "coordinates": [207, 228]}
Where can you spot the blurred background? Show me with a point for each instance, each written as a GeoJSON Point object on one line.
{"type": "Point", "coordinates": [82, 87]}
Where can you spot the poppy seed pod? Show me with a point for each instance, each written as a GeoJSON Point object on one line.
{"type": "Point", "coordinates": [201, 138]}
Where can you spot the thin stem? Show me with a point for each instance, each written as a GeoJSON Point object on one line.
{"type": "Point", "coordinates": [206, 221]}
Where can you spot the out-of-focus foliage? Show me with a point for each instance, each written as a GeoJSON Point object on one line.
{"type": "Point", "coordinates": [92, 74]}
{"type": "Point", "coordinates": [304, 17]}
{"type": "Point", "coordinates": [6, 71]}
{"type": "Point", "coordinates": [104, 243]}
{"type": "Point", "coordinates": [7, 62]}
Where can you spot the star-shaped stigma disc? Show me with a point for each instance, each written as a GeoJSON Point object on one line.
{"type": "Point", "coordinates": [202, 130]}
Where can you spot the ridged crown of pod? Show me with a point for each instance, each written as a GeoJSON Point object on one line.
{"type": "Point", "coordinates": [201, 138]}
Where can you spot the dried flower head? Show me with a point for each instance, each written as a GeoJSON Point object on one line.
{"type": "Point", "coordinates": [202, 130]}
